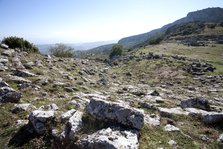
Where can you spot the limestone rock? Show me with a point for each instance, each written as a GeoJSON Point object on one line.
{"type": "Point", "coordinates": [16, 63]}
{"type": "Point", "coordinates": [169, 127]}
{"type": "Point", "coordinates": [39, 118]}
{"type": "Point", "coordinates": [3, 83]}
{"type": "Point", "coordinates": [110, 139]}
{"type": "Point", "coordinates": [220, 139]}
{"type": "Point", "coordinates": [152, 120]}
{"type": "Point", "coordinates": [20, 123]}
{"type": "Point", "coordinates": [23, 107]}
{"type": "Point", "coordinates": [4, 46]}
{"type": "Point", "coordinates": [50, 107]}
{"type": "Point", "coordinates": [19, 80]}
{"type": "Point", "coordinates": [8, 52]}
{"type": "Point", "coordinates": [172, 143]}
{"type": "Point", "coordinates": [67, 115]}
{"type": "Point", "coordinates": [8, 94]}
{"type": "Point", "coordinates": [110, 111]}
{"type": "Point", "coordinates": [23, 73]}
{"type": "Point", "coordinates": [29, 65]}
{"type": "Point", "coordinates": [198, 102]}
{"type": "Point", "coordinates": [168, 112]}
{"type": "Point", "coordinates": [213, 117]}
{"type": "Point", "coordinates": [74, 125]}
{"type": "Point", "coordinates": [4, 60]}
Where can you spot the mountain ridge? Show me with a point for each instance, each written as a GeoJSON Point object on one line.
{"type": "Point", "coordinates": [204, 15]}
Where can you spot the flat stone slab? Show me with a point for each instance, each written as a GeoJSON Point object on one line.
{"type": "Point", "coordinates": [168, 112]}
{"type": "Point", "coordinates": [115, 112]}
{"type": "Point", "coordinates": [110, 139]}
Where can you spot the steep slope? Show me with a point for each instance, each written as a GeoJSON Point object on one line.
{"type": "Point", "coordinates": [214, 15]}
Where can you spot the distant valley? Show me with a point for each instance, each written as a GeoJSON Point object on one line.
{"type": "Point", "coordinates": [44, 48]}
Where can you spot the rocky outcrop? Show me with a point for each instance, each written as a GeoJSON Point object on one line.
{"type": "Point", "coordinates": [110, 139]}
{"type": "Point", "coordinates": [213, 117]}
{"type": "Point", "coordinates": [39, 119]}
{"type": "Point", "coordinates": [23, 73]}
{"type": "Point", "coordinates": [74, 125]}
{"type": "Point", "coordinates": [114, 112]}
{"type": "Point", "coordinates": [207, 117]}
{"type": "Point", "coordinates": [198, 102]}
{"type": "Point", "coordinates": [8, 94]}
{"type": "Point", "coordinates": [199, 68]}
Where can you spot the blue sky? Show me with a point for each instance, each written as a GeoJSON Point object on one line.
{"type": "Point", "coordinates": [72, 21]}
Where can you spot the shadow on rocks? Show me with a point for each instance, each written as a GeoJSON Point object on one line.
{"type": "Point", "coordinates": [23, 136]}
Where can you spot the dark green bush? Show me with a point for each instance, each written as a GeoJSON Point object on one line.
{"type": "Point", "coordinates": [22, 44]}
{"type": "Point", "coordinates": [61, 50]}
{"type": "Point", "coordinates": [116, 51]}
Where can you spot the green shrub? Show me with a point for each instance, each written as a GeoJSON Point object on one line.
{"type": "Point", "coordinates": [61, 50]}
{"type": "Point", "coordinates": [116, 50]}
{"type": "Point", "coordinates": [22, 44]}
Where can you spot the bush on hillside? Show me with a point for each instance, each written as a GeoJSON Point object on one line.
{"type": "Point", "coordinates": [116, 50]}
{"type": "Point", "coordinates": [22, 44]}
{"type": "Point", "coordinates": [61, 50]}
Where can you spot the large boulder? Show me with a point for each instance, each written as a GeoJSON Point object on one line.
{"type": "Point", "coordinates": [213, 117]}
{"type": "Point", "coordinates": [4, 46]}
{"type": "Point", "coordinates": [198, 102]}
{"type": "Point", "coordinates": [115, 112]}
{"type": "Point", "coordinates": [39, 119]}
{"type": "Point", "coordinates": [74, 125]}
{"type": "Point", "coordinates": [8, 53]}
{"type": "Point", "coordinates": [207, 117]}
{"type": "Point", "coordinates": [110, 139]}
{"type": "Point", "coordinates": [8, 94]}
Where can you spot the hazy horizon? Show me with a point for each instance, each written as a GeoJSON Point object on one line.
{"type": "Point", "coordinates": [76, 21]}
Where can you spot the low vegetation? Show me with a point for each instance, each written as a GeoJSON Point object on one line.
{"type": "Point", "coordinates": [61, 50]}
{"type": "Point", "coordinates": [22, 44]}
{"type": "Point", "coordinates": [116, 50]}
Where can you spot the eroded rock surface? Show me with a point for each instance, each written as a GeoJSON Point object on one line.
{"type": "Point", "coordinates": [110, 111]}
{"type": "Point", "coordinates": [110, 139]}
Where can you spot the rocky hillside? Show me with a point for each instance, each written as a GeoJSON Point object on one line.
{"type": "Point", "coordinates": [209, 15]}
{"type": "Point", "coordinates": [162, 96]}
